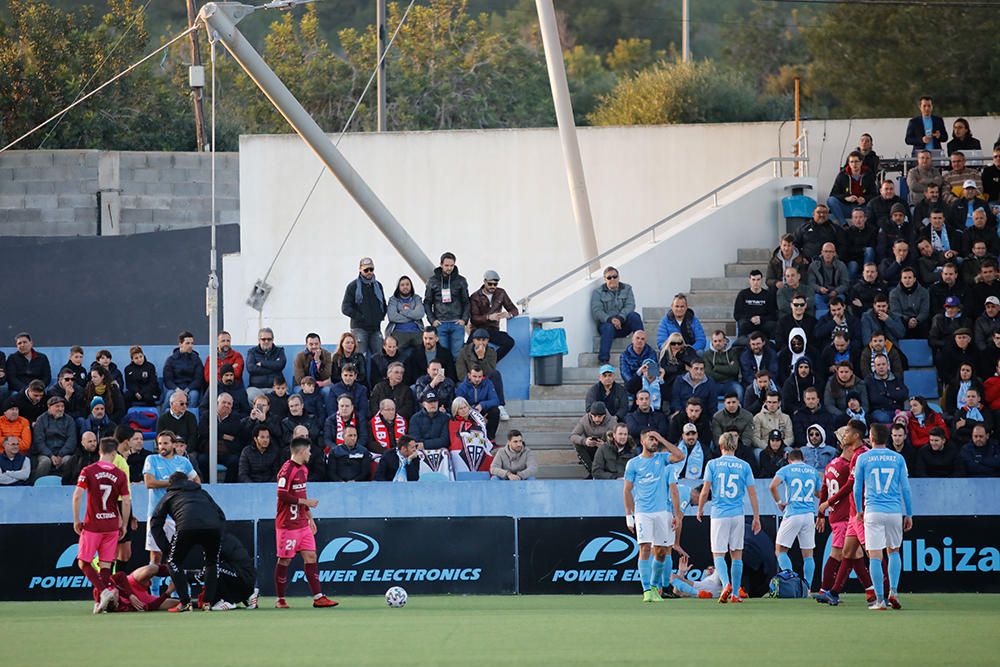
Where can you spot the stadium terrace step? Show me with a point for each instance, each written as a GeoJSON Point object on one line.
{"type": "Point", "coordinates": [589, 359]}
{"type": "Point", "coordinates": [562, 471]}
{"type": "Point", "coordinates": [550, 457]}
{"type": "Point", "coordinates": [752, 255]}
{"type": "Point", "coordinates": [554, 407]}
{"type": "Point", "coordinates": [551, 424]}
{"type": "Point", "coordinates": [733, 285]}
{"type": "Point", "coordinates": [586, 375]}
{"type": "Point", "coordinates": [742, 270]}
{"type": "Point", "coordinates": [574, 390]}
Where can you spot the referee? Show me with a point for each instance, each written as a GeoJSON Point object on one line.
{"type": "Point", "coordinates": [200, 522]}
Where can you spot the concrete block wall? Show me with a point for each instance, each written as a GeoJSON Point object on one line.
{"type": "Point", "coordinates": [88, 192]}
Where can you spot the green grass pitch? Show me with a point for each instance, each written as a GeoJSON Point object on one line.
{"type": "Point", "coordinates": [509, 630]}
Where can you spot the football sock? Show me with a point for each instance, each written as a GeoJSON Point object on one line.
{"type": "Point", "coordinates": [312, 576]}
{"type": "Point", "coordinates": [830, 569]}
{"type": "Point", "coordinates": [685, 587]}
{"type": "Point", "coordinates": [657, 578]}
{"type": "Point", "coordinates": [720, 567]}
{"type": "Point", "coordinates": [645, 571]}
{"type": "Point", "coordinates": [895, 569]}
{"type": "Point", "coordinates": [280, 579]}
{"type": "Point", "coordinates": [808, 571]}
{"type": "Point", "coordinates": [784, 562]}
{"type": "Point", "coordinates": [105, 577]}
{"type": "Point", "coordinates": [91, 574]}
{"type": "Point", "coordinates": [737, 575]}
{"type": "Point", "coordinates": [876, 570]}
{"type": "Point", "coordinates": [863, 575]}
{"type": "Point", "coordinates": [843, 572]}
{"type": "Point", "coordinates": [121, 565]}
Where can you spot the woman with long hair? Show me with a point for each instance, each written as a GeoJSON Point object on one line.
{"type": "Point", "coordinates": [674, 356]}
{"type": "Point", "coordinates": [921, 420]}
{"type": "Point", "coordinates": [953, 398]}
{"type": "Point", "coordinates": [406, 316]}
{"type": "Point", "coordinates": [348, 353]}
{"type": "Point", "coordinates": [101, 384]}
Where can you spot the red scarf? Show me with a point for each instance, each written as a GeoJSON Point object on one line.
{"type": "Point", "coordinates": [383, 435]}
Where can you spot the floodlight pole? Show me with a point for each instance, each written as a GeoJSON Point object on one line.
{"type": "Point", "coordinates": [221, 19]}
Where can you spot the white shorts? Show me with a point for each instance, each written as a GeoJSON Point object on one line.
{"type": "Point", "coordinates": [656, 528]}
{"type": "Point", "coordinates": [169, 527]}
{"type": "Point", "coordinates": [801, 527]}
{"type": "Point", "coordinates": [883, 531]}
{"type": "Point", "coordinates": [727, 534]}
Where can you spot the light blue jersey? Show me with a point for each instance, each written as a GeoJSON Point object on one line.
{"type": "Point", "coordinates": [884, 483]}
{"type": "Point", "coordinates": [650, 478]}
{"type": "Point", "coordinates": [801, 482]}
{"type": "Point", "coordinates": [161, 469]}
{"type": "Point", "coordinates": [730, 478]}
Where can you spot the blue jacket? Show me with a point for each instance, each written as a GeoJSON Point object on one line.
{"type": "Point", "coordinates": [357, 392]}
{"type": "Point", "coordinates": [818, 457]}
{"type": "Point", "coordinates": [262, 367]}
{"type": "Point", "coordinates": [314, 404]}
{"type": "Point", "coordinates": [430, 430]}
{"type": "Point", "coordinates": [183, 371]}
{"type": "Point", "coordinates": [690, 327]}
{"type": "Point", "coordinates": [748, 365]}
{"type": "Point", "coordinates": [485, 394]}
{"type": "Point", "coordinates": [632, 360]}
{"type": "Point", "coordinates": [707, 390]}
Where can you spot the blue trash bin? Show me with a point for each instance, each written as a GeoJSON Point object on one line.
{"type": "Point", "coordinates": [547, 349]}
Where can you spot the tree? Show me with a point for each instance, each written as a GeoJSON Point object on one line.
{"type": "Point", "coordinates": [588, 81]}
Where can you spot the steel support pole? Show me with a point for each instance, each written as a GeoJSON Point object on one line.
{"type": "Point", "coordinates": [685, 31]}
{"type": "Point", "coordinates": [221, 19]}
{"type": "Point", "coordinates": [567, 130]}
{"type": "Point", "coordinates": [380, 44]}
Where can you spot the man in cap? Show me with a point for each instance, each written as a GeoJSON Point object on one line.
{"type": "Point", "coordinates": [611, 394]}
{"type": "Point", "coordinates": [53, 438]}
{"type": "Point", "coordinates": [987, 324]}
{"type": "Point", "coordinates": [478, 352]}
{"type": "Point", "coordinates": [591, 432]}
{"type": "Point", "coordinates": [966, 204]}
{"type": "Point", "coordinates": [489, 305]}
{"type": "Point", "coordinates": [429, 426]}
{"type": "Point", "coordinates": [364, 303]}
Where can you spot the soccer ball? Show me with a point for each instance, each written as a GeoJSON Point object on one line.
{"type": "Point", "coordinates": [395, 597]}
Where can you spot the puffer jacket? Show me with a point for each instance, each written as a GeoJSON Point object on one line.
{"type": "Point", "coordinates": [183, 371]}
{"type": "Point", "coordinates": [458, 309]}
{"type": "Point", "coordinates": [522, 463]}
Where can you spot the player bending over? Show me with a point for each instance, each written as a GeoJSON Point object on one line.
{"type": "Point", "coordinates": [798, 521]}
{"type": "Point", "coordinates": [237, 576]}
{"type": "Point", "coordinates": [294, 526]}
{"type": "Point", "coordinates": [733, 480]}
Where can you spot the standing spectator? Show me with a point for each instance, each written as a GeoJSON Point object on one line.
{"type": "Point", "coordinates": [921, 176]}
{"type": "Point", "coordinates": [429, 427]}
{"type": "Point", "coordinates": [858, 247]}
{"type": "Point", "coordinates": [259, 461]}
{"type": "Point", "coordinates": [387, 427]}
{"type": "Point", "coordinates": [794, 286]}
{"type": "Point", "coordinates": [610, 394]}
{"type": "Point", "coordinates": [926, 131]}
{"type": "Point", "coordinates": [225, 354]}
{"type": "Point", "coordinates": [980, 457]}
{"type": "Point", "coordinates": [695, 383]}
{"type": "Point", "coordinates": [53, 438]}
{"type": "Point", "coordinates": [437, 382]}
{"type": "Point", "coordinates": [349, 353]}
{"type": "Point", "coordinates": [681, 319]}
{"type": "Point", "coordinates": [141, 384]}
{"type": "Point", "coordinates": [771, 419]}
{"type": "Point", "coordinates": [722, 365]}
{"type": "Point", "coordinates": [987, 324]}
{"type": "Point", "coordinates": [991, 178]}
{"type": "Point", "coordinates": [853, 187]}
{"type": "Point", "coordinates": [429, 350]}
{"type": "Point", "coordinates": [590, 433]}
{"type": "Point", "coordinates": [514, 462]}
{"type": "Point", "coordinates": [785, 255]}
{"type": "Point", "coordinates": [886, 393]}
{"type": "Point", "coordinates": [757, 356]}
{"type": "Point", "coordinates": [389, 354]}
{"type": "Point", "coordinates": [611, 457]}
{"type": "Point", "coordinates": [315, 362]}
{"type": "Point", "coordinates": [829, 277]}
{"type": "Point", "coordinates": [489, 305]}
{"type": "Point", "coordinates": [392, 387]}
{"type": "Point", "coordinates": [406, 316]}
{"type": "Point", "coordinates": [15, 467]}
{"type": "Point", "coordinates": [179, 420]}
{"type": "Point", "coordinates": [364, 303]}
{"type": "Point", "coordinates": [183, 370]}
{"type": "Point", "coordinates": [447, 302]}
{"type": "Point", "coordinates": [634, 355]}
{"type": "Point", "coordinates": [812, 236]}
{"type": "Point", "coordinates": [921, 421]}
{"type": "Point", "coordinates": [478, 351]}
{"type": "Point", "coordinates": [75, 365]}
{"type": "Point", "coordinates": [265, 361]}
{"type": "Point", "coordinates": [612, 306]}
{"type": "Point", "coordinates": [402, 465]}
{"type": "Point", "coordinates": [755, 308]}
{"type": "Point", "coordinates": [911, 302]}
{"type": "Point", "coordinates": [100, 384]}
{"type": "Point", "coordinates": [26, 364]}
{"type": "Point", "coordinates": [962, 139]}
{"type": "Point", "coordinates": [939, 458]}
{"type": "Point", "coordinates": [349, 462]}
{"type": "Point", "coordinates": [645, 417]}
{"type": "Point", "coordinates": [482, 396]}
{"type": "Point", "coordinates": [734, 418]}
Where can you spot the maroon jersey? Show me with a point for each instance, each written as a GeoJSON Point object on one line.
{"type": "Point", "coordinates": [291, 486]}
{"type": "Point", "coordinates": [105, 483]}
{"type": "Point", "coordinates": [854, 461]}
{"type": "Point", "coordinates": [834, 479]}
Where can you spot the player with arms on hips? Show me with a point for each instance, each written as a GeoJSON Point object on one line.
{"type": "Point", "coordinates": [651, 512]}
{"type": "Point", "coordinates": [734, 480]}
{"type": "Point", "coordinates": [882, 483]}
{"type": "Point", "coordinates": [798, 522]}
{"type": "Point", "coordinates": [103, 524]}
{"type": "Point", "coordinates": [294, 527]}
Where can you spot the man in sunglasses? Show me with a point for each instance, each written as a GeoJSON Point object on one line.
{"type": "Point", "coordinates": [489, 305]}
{"type": "Point", "coordinates": [612, 305]}
{"type": "Point", "coordinates": [364, 303]}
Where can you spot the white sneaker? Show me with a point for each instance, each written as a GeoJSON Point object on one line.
{"type": "Point", "coordinates": [97, 608]}
{"type": "Point", "coordinates": [223, 605]}
{"type": "Point", "coordinates": [251, 602]}
{"type": "Point", "coordinates": [504, 417]}
{"type": "Point", "coordinates": [108, 595]}
{"type": "Point", "coordinates": [878, 605]}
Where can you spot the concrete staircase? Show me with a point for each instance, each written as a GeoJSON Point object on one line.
{"type": "Point", "coordinates": [549, 415]}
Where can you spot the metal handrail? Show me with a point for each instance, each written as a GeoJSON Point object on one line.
{"type": "Point", "coordinates": [523, 302]}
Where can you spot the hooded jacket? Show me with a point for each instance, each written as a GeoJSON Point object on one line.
{"type": "Point", "coordinates": [834, 276]}
{"type": "Point", "coordinates": [789, 358]}
{"type": "Point", "coordinates": [522, 464]}
{"type": "Point", "coordinates": [191, 508]}
{"type": "Point", "coordinates": [792, 390]}
{"type": "Point", "coordinates": [777, 264]}
{"type": "Point", "coordinates": [842, 186]}
{"type": "Point", "coordinates": [740, 421]}
{"type": "Point", "coordinates": [818, 457]}
{"type": "Point", "coordinates": [183, 370]}
{"type": "Point", "coordinates": [722, 366]}
{"type": "Point", "coordinates": [609, 463]}
{"type": "Point", "coordinates": [457, 308]}
{"type": "Point", "coordinates": [804, 419]}
{"type": "Point", "coordinates": [585, 428]}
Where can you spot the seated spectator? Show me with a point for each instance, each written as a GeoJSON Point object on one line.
{"type": "Point", "coordinates": [932, 200]}
{"type": "Point", "coordinates": [921, 176]}
{"type": "Point", "coordinates": [881, 209]}
{"type": "Point", "coordinates": [812, 236]}
{"type": "Point", "coordinates": [104, 360]}
{"type": "Point", "coordinates": [956, 178]}
{"type": "Point", "coordinates": [755, 308]}
{"type": "Point", "coordinates": [991, 178]}
{"type": "Point", "coordinates": [837, 321]}
{"type": "Point", "coordinates": [74, 364]}
{"type": "Point", "coordinates": [794, 388]}
{"type": "Point", "coordinates": [911, 302]}
{"type": "Point", "coordinates": [772, 456]}
{"type": "Point", "coordinates": [864, 291]}
{"type": "Point", "coordinates": [645, 417]}
{"type": "Point", "coordinates": [26, 364]}
{"type": "Point", "coordinates": [98, 421]}
{"type": "Point", "coordinates": [955, 353]}
{"type": "Point", "coordinates": [816, 452]}
{"type": "Point", "coordinates": [785, 255]}
{"type": "Point", "coordinates": [988, 358]}
{"type": "Point", "coordinates": [348, 353]}
{"type": "Point", "coordinates": [972, 263]}
{"type": "Point", "coordinates": [389, 354]}
{"type": "Point", "coordinates": [225, 354]}
{"type": "Point", "coordinates": [312, 400]}
{"type": "Point", "coordinates": [858, 245]}
{"type": "Point", "coordinates": [886, 393]}
{"type": "Point", "coordinates": [403, 465]}
{"type": "Point", "coordinates": [392, 387]}
{"type": "Point", "coordinates": [634, 355]}
{"type": "Point", "coordinates": [429, 426]}
{"type": "Point", "coordinates": [30, 401]}
{"type": "Point", "coordinates": [265, 362]}
{"type": "Point", "coordinates": [898, 442]}
{"type": "Point", "coordinates": [482, 396]}
{"type": "Point", "coordinates": [478, 351]}
{"type": "Point", "coordinates": [681, 319]}
{"type": "Point", "coordinates": [611, 394]}
{"type": "Point", "coordinates": [236, 391]}
{"type": "Point", "coordinates": [962, 139]}
{"type": "Point", "coordinates": [792, 289]}
{"type": "Point", "coordinates": [297, 417]}
{"type": "Point", "coordinates": [771, 419]}
{"type": "Point", "coordinates": [722, 364]}
{"type": "Point", "coordinates": [468, 441]}
{"type": "Point", "coordinates": [878, 346]}
{"type": "Point", "coordinates": [796, 349]}
{"type": "Point", "coordinates": [694, 413]}
{"type": "Point", "coordinates": [733, 418]}
{"type": "Point", "coordinates": [141, 384]}
{"type": "Point", "coordinates": [980, 230]}
{"type": "Point", "coordinates": [881, 320]}
{"type": "Point", "coordinates": [986, 286]}
{"type": "Point", "coordinates": [387, 426]}
{"type": "Point", "coordinates": [279, 399]}
{"type": "Point", "coordinates": [181, 451]}
{"type": "Point", "coordinates": [939, 458]}
{"type": "Point", "coordinates": [177, 419]}
{"type": "Point", "coordinates": [515, 461]}
{"type": "Point", "coordinates": [66, 389]}
{"type": "Point", "coordinates": [428, 351]}
{"type": "Point", "coordinates": [183, 370]}
{"type": "Point", "coordinates": [890, 268]}
{"type": "Point", "coordinates": [921, 421]}
{"type": "Point", "coordinates": [261, 412]}
{"type": "Point", "coordinates": [869, 158]}
{"type": "Point", "coordinates": [929, 263]}
{"type": "Point", "coordinates": [612, 306]}
{"type": "Point", "coordinates": [812, 414]}
{"type": "Point", "coordinates": [349, 462]}
{"type": "Point", "coordinates": [230, 443]}
{"type": "Point", "coordinates": [842, 385]}
{"type": "Point", "coordinates": [317, 460]}
{"type": "Point", "coordinates": [488, 306]}
{"type": "Point", "coordinates": [100, 384]}
{"type": "Point", "coordinates": [446, 299]}
{"type": "Point", "coordinates": [953, 397]}
{"type": "Point", "coordinates": [797, 320]}
{"type": "Point", "coordinates": [15, 467]}
{"type": "Point", "coordinates": [85, 454]}
{"type": "Point", "coordinates": [695, 383]}
{"type": "Point", "coordinates": [944, 325]}
{"type": "Point", "coordinates": [980, 457]}
{"type": "Point", "coordinates": [757, 356]}
{"type": "Point", "coordinates": [753, 397]}
{"type": "Point", "coordinates": [926, 131]}
{"type": "Point", "coordinates": [406, 317]}
{"type": "Point", "coordinates": [590, 433]}
{"type": "Point", "coordinates": [897, 228]}
{"type": "Point", "coordinates": [674, 358]}
{"type": "Point", "coordinates": [349, 385]}
{"type": "Point", "coordinates": [437, 382]}
{"type": "Point", "coordinates": [611, 457]}
{"type": "Point", "coordinates": [260, 460]}
{"type": "Point", "coordinates": [333, 427]}
{"type": "Point", "coordinates": [840, 350]}
{"type": "Point", "coordinates": [972, 413]}
{"type": "Point", "coordinates": [315, 362]}
{"type": "Point", "coordinates": [853, 187]}
{"type": "Point", "coordinates": [364, 303]}
{"type": "Point", "coordinates": [829, 277]}
{"type": "Point", "coordinates": [53, 438]}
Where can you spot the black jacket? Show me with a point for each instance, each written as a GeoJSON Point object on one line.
{"type": "Point", "coordinates": [186, 426]}
{"type": "Point", "coordinates": [262, 367]}
{"type": "Point", "coordinates": [21, 371]}
{"type": "Point", "coordinates": [350, 465]}
{"type": "Point", "coordinates": [235, 557]}
{"type": "Point", "coordinates": [388, 466]}
{"type": "Point", "coordinates": [458, 308]}
{"type": "Point", "coordinates": [842, 185]}
{"type": "Point", "coordinates": [416, 364]}
{"type": "Point", "coordinates": [367, 315]}
{"type": "Point", "coordinates": [915, 133]}
{"type": "Point", "coordinates": [401, 395]}
{"type": "Point", "coordinates": [228, 426]}
{"type": "Point", "coordinates": [141, 385]}
{"type": "Point", "coordinates": [855, 240]}
{"type": "Point", "coordinates": [257, 466]}
{"type": "Point", "coordinates": [191, 508]}
{"type": "Point", "coordinates": [749, 305]}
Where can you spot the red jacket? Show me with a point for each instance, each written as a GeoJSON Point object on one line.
{"type": "Point", "coordinates": [232, 357]}
{"type": "Point", "coordinates": [920, 435]}
{"type": "Point", "coordinates": [991, 392]}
